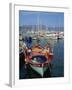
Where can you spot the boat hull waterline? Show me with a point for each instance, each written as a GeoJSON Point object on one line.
{"type": "Point", "coordinates": [39, 70]}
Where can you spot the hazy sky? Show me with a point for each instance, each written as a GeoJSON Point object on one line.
{"type": "Point", "coordinates": [50, 19]}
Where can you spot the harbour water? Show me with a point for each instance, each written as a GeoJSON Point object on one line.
{"type": "Point", "coordinates": [57, 64]}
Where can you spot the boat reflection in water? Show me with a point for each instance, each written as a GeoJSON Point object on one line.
{"type": "Point", "coordinates": [38, 63]}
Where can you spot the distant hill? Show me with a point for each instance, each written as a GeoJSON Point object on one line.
{"type": "Point", "coordinates": [40, 27]}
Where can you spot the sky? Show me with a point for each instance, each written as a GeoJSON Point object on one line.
{"type": "Point", "coordinates": [50, 19]}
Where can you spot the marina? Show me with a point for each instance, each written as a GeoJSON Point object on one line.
{"type": "Point", "coordinates": [36, 69]}
{"type": "Point", "coordinates": [41, 45]}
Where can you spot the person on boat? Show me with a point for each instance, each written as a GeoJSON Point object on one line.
{"type": "Point", "coordinates": [29, 51]}
{"type": "Point", "coordinates": [29, 55]}
{"type": "Point", "coordinates": [28, 41]}
{"type": "Point", "coordinates": [25, 51]}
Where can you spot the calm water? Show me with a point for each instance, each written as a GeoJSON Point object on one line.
{"type": "Point", "coordinates": [58, 60]}
{"type": "Point", "coordinates": [57, 67]}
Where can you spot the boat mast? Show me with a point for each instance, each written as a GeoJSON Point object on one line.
{"type": "Point", "coordinates": [38, 21]}
{"type": "Point", "coordinates": [46, 28]}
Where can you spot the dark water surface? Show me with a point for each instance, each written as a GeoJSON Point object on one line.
{"type": "Point", "coordinates": [57, 66]}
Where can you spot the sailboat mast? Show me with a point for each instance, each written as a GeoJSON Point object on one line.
{"type": "Point", "coordinates": [38, 21]}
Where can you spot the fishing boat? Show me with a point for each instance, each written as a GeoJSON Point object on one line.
{"type": "Point", "coordinates": [38, 61]}
{"type": "Point", "coordinates": [38, 58]}
{"type": "Point", "coordinates": [34, 38]}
